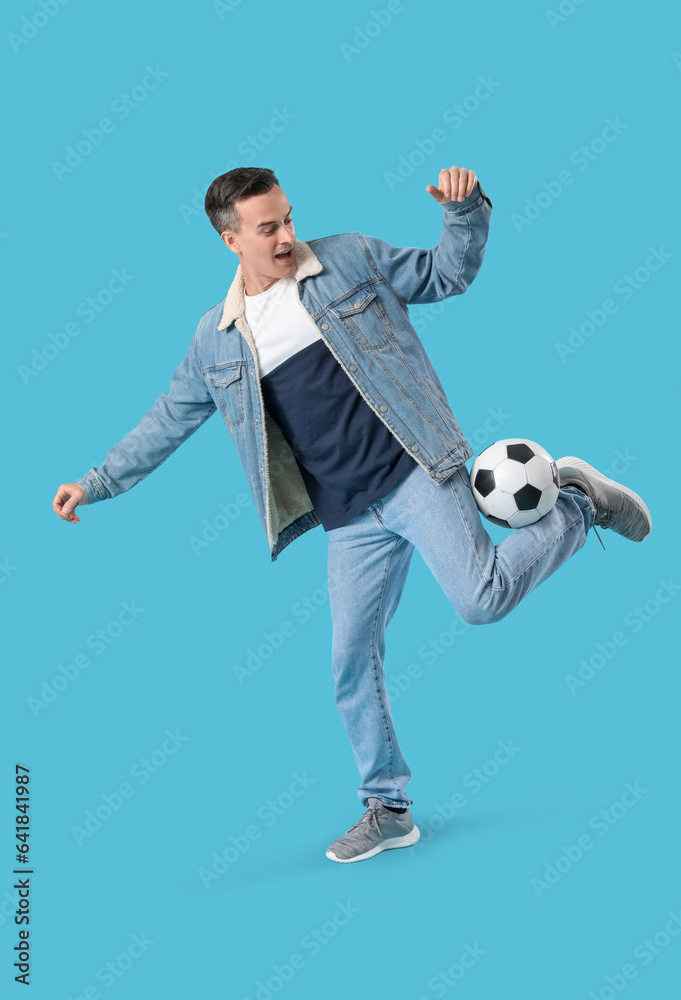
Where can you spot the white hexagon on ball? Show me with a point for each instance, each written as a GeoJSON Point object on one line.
{"type": "Point", "coordinates": [510, 476]}
{"type": "Point", "coordinates": [539, 472]}
{"type": "Point", "coordinates": [501, 505]}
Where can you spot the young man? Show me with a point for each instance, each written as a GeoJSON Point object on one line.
{"type": "Point", "coordinates": [340, 419]}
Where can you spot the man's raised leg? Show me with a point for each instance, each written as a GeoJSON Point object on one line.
{"type": "Point", "coordinates": [483, 581]}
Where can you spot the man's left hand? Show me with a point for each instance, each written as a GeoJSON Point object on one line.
{"type": "Point", "coordinates": [455, 184]}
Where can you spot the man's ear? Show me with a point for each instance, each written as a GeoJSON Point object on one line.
{"type": "Point", "coordinates": [229, 239]}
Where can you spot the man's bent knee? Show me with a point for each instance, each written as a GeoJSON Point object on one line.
{"type": "Point", "coordinates": [479, 614]}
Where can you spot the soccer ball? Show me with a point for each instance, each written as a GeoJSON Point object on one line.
{"type": "Point", "coordinates": [514, 482]}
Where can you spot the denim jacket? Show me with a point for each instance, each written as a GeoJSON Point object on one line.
{"type": "Point", "coordinates": [356, 289]}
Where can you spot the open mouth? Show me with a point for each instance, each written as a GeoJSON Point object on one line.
{"type": "Point", "coordinates": [284, 256]}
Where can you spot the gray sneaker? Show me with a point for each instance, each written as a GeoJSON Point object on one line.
{"type": "Point", "coordinates": [379, 829]}
{"type": "Point", "coordinates": [617, 507]}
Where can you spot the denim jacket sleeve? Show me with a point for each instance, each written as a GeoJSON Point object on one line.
{"type": "Point", "coordinates": [171, 420]}
{"type": "Point", "coordinates": [421, 276]}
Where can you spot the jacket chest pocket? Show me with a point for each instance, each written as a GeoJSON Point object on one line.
{"type": "Point", "coordinates": [364, 316]}
{"type": "Point", "coordinates": [226, 385]}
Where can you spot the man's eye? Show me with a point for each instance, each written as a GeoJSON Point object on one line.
{"type": "Point", "coordinates": [268, 232]}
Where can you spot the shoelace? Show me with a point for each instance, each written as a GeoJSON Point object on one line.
{"type": "Point", "coordinates": [598, 536]}
{"type": "Point", "coordinates": [369, 818]}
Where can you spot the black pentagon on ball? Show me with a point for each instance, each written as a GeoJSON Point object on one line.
{"type": "Point", "coordinates": [520, 452]}
{"type": "Point", "coordinates": [527, 498]}
{"type": "Point", "coordinates": [498, 520]}
{"type": "Point", "coordinates": [484, 482]}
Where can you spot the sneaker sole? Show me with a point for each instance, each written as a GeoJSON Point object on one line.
{"type": "Point", "coordinates": [388, 845]}
{"type": "Point", "coordinates": [578, 463]}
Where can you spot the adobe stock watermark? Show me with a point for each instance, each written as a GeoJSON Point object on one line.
{"type": "Point", "coordinates": [98, 642]}
{"type": "Point", "coordinates": [565, 9]}
{"type": "Point", "coordinates": [473, 781]}
{"type": "Point", "coordinates": [430, 651]}
{"type": "Point", "coordinates": [311, 944]}
{"type": "Point", "coordinates": [302, 610]}
{"type": "Point", "coordinates": [120, 108]}
{"type": "Point", "coordinates": [214, 528]}
{"type": "Point", "coordinates": [489, 428]}
{"type": "Point", "coordinates": [422, 317]}
{"type": "Point", "coordinates": [645, 952]}
{"type": "Point", "coordinates": [620, 463]}
{"type": "Point", "coordinates": [601, 823]}
{"type": "Point", "coordinates": [224, 7]}
{"type": "Point", "coordinates": [9, 905]}
{"type": "Point", "coordinates": [7, 569]}
{"type": "Point", "coordinates": [442, 982]}
{"type": "Point", "coordinates": [580, 158]}
{"type": "Point", "coordinates": [87, 310]}
{"type": "Point", "coordinates": [34, 23]}
{"type": "Point", "coordinates": [111, 972]}
{"type": "Point", "coordinates": [634, 621]}
{"type": "Point", "coordinates": [248, 149]}
{"type": "Point", "coordinates": [625, 288]}
{"type": "Point", "coordinates": [142, 771]}
{"type": "Point", "coordinates": [454, 116]}
{"type": "Point", "coordinates": [268, 813]}
{"type": "Point", "coordinates": [364, 34]}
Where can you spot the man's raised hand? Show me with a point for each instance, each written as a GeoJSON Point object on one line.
{"type": "Point", "coordinates": [67, 498]}
{"type": "Point", "coordinates": [455, 184]}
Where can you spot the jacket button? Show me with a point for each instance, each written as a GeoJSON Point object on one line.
{"type": "Point", "coordinates": [439, 475]}
{"type": "Point", "coordinates": [353, 368]}
{"type": "Point", "coordinates": [257, 422]}
{"type": "Point", "coordinates": [384, 409]}
{"type": "Point", "coordinates": [414, 447]}
{"type": "Point", "coordinates": [325, 326]}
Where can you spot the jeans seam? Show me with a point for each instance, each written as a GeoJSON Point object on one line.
{"type": "Point", "coordinates": [542, 553]}
{"type": "Point", "coordinates": [375, 663]}
{"type": "Point", "coordinates": [465, 524]}
{"type": "Point", "coordinates": [377, 509]}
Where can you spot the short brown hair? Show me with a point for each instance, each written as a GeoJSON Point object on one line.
{"type": "Point", "coordinates": [226, 189]}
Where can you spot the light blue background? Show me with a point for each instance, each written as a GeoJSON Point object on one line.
{"type": "Point", "coordinates": [355, 114]}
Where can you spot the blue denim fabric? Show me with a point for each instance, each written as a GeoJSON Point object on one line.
{"type": "Point", "coordinates": [356, 289]}
{"type": "Point", "coordinates": [368, 561]}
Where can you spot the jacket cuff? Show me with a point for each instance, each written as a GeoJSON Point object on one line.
{"type": "Point", "coordinates": [459, 207]}
{"type": "Point", "coordinates": [94, 487]}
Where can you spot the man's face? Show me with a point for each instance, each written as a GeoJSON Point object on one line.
{"type": "Point", "coordinates": [266, 230]}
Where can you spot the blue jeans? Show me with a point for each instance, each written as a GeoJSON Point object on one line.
{"type": "Point", "coordinates": [368, 561]}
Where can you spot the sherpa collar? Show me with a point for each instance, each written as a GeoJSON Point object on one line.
{"type": "Point", "coordinates": [307, 264]}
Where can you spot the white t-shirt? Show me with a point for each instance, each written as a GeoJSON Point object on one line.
{"type": "Point", "coordinates": [281, 325]}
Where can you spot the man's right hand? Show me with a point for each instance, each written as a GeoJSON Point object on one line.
{"type": "Point", "coordinates": [68, 496]}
